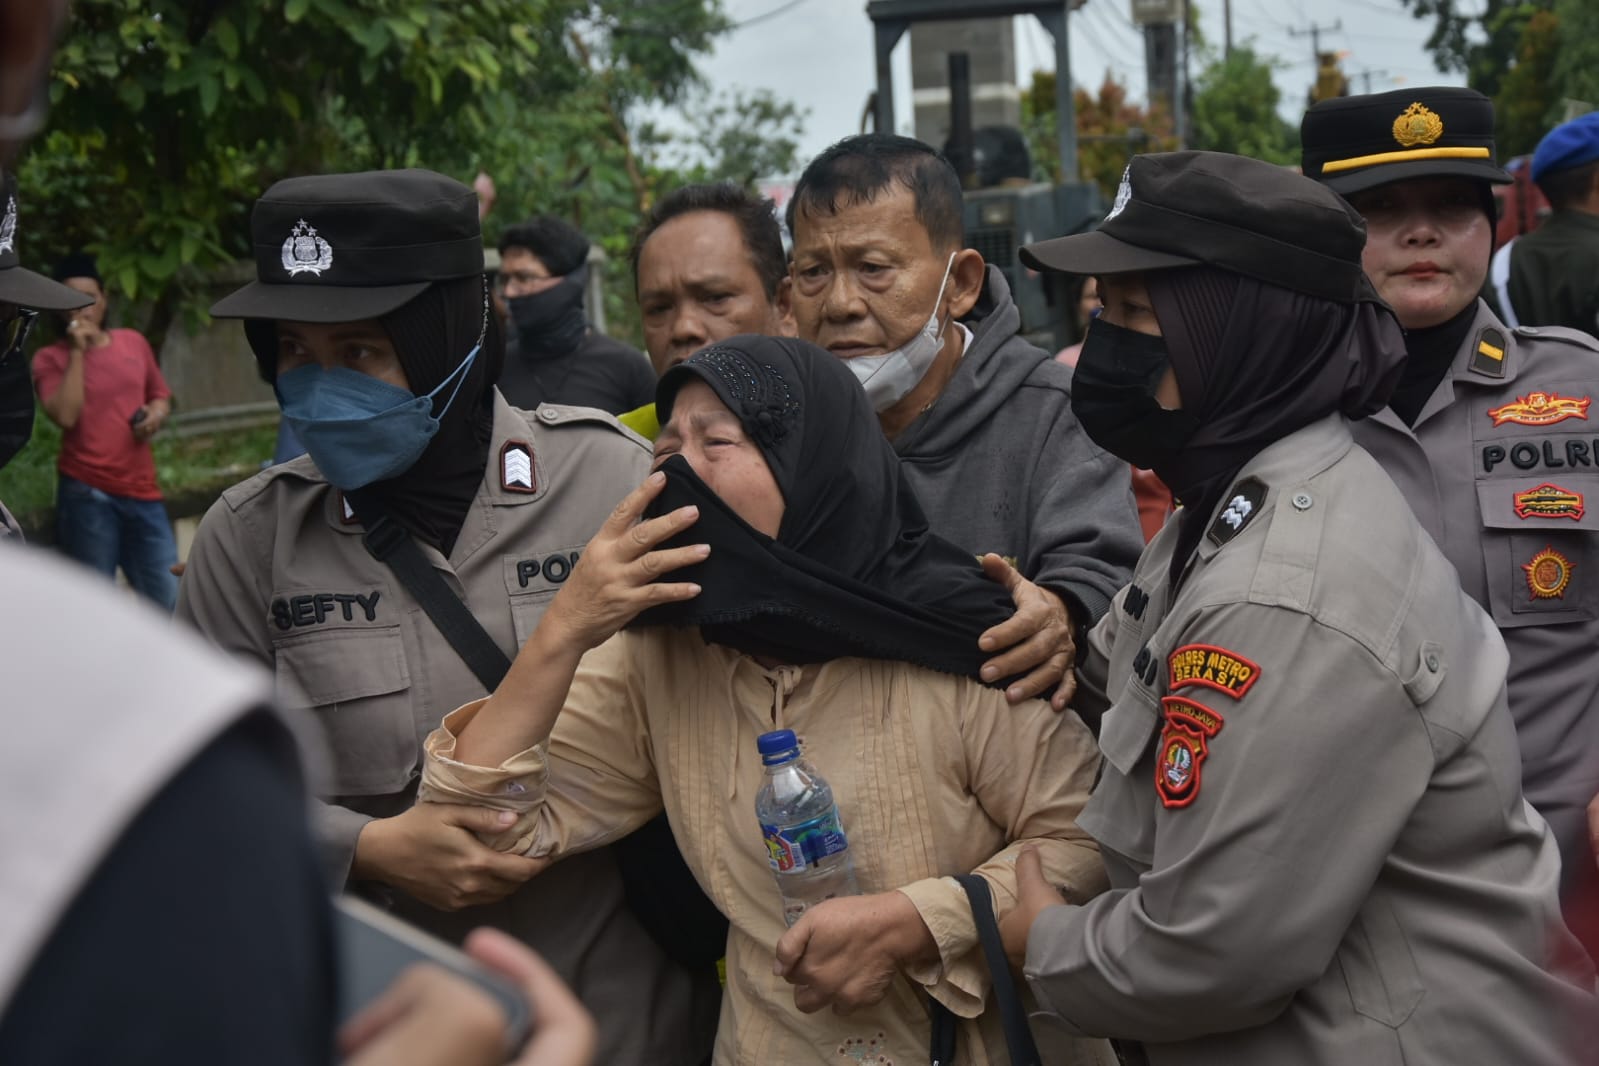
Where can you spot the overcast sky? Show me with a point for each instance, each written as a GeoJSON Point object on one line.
{"type": "Point", "coordinates": [818, 53]}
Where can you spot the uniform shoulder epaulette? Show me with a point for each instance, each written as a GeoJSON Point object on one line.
{"type": "Point", "coordinates": [555, 415]}
{"type": "Point", "coordinates": [297, 469]}
{"type": "Point", "coordinates": [1556, 334]}
{"type": "Point", "coordinates": [1244, 501]}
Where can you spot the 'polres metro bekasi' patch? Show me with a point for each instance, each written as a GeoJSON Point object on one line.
{"type": "Point", "coordinates": [1209, 666]}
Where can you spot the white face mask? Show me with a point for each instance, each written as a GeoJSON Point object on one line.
{"type": "Point", "coordinates": [889, 378]}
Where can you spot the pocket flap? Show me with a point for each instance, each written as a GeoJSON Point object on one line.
{"type": "Point", "coordinates": [339, 665]}
{"type": "Point", "coordinates": [1128, 727]}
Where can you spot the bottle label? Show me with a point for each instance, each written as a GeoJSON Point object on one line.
{"type": "Point", "coordinates": [794, 848]}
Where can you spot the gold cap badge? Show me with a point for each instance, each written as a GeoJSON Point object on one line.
{"type": "Point", "coordinates": [1417, 125]}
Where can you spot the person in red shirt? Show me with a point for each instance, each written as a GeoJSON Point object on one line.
{"type": "Point", "coordinates": [103, 388]}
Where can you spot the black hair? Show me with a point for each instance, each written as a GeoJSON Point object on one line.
{"type": "Point", "coordinates": [859, 169]}
{"type": "Point", "coordinates": [756, 217]}
{"type": "Point", "coordinates": [1566, 187]}
{"type": "Point", "coordinates": [560, 246]}
{"type": "Point", "coordinates": [79, 264]}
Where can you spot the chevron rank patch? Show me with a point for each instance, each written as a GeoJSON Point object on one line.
{"type": "Point", "coordinates": [1243, 504]}
{"type": "Point", "coordinates": [1488, 358]}
{"type": "Point", "coordinates": [516, 468]}
{"type": "Point", "coordinates": [1207, 666]}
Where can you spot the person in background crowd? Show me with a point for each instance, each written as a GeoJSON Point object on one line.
{"type": "Point", "coordinates": [23, 294]}
{"type": "Point", "coordinates": [708, 264]}
{"type": "Point", "coordinates": [1486, 433]}
{"type": "Point", "coordinates": [1318, 847]}
{"type": "Point", "coordinates": [799, 588]}
{"type": "Point", "coordinates": [384, 364]}
{"type": "Point", "coordinates": [105, 391]}
{"type": "Point", "coordinates": [552, 356]}
{"type": "Point", "coordinates": [1088, 306]}
{"type": "Point", "coordinates": [980, 418]}
{"type": "Point", "coordinates": [111, 871]}
{"type": "Point", "coordinates": [1550, 277]}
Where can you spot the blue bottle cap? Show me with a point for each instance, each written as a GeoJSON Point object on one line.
{"type": "Point", "coordinates": [778, 743]}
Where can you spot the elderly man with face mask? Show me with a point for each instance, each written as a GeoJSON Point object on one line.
{"type": "Point", "coordinates": [1488, 433]}
{"type": "Point", "coordinates": [980, 418]}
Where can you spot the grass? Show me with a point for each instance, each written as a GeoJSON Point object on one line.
{"type": "Point", "coordinates": [192, 471]}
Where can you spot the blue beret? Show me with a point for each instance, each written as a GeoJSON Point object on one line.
{"type": "Point", "coordinates": [1569, 145]}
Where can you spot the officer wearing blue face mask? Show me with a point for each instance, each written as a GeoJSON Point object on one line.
{"type": "Point", "coordinates": [370, 315]}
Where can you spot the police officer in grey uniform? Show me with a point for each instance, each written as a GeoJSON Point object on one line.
{"type": "Point", "coordinates": [1316, 838]}
{"type": "Point", "coordinates": [1489, 434]}
{"type": "Point", "coordinates": [371, 317]}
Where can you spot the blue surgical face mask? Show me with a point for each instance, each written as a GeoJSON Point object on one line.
{"type": "Point", "coordinates": [359, 429]}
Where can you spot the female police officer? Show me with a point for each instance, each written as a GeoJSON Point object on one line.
{"type": "Point", "coordinates": [370, 315]}
{"type": "Point", "coordinates": [1310, 809]}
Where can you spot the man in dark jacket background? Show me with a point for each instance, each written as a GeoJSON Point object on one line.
{"type": "Point", "coordinates": [981, 418]}
{"type": "Point", "coordinates": [551, 354]}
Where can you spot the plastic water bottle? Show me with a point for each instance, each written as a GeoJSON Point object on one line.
{"type": "Point", "coordinates": [805, 840]}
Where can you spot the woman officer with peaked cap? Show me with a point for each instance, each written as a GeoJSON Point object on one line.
{"type": "Point", "coordinates": [370, 316]}
{"type": "Point", "coordinates": [1318, 847]}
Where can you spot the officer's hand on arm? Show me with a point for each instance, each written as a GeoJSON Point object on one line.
{"type": "Point", "coordinates": [845, 952]}
{"type": "Point", "coordinates": [1036, 640]}
{"type": "Point", "coordinates": [432, 852]}
{"type": "Point", "coordinates": [1033, 894]}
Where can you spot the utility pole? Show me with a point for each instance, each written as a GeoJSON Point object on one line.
{"type": "Point", "coordinates": [1365, 77]}
{"type": "Point", "coordinates": [1314, 33]}
{"type": "Point", "coordinates": [1227, 28]}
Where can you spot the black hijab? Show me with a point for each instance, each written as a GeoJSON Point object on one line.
{"type": "Point", "coordinates": [854, 570]}
{"type": "Point", "coordinates": [432, 334]}
{"type": "Point", "coordinates": [1255, 362]}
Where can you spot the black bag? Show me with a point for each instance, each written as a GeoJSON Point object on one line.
{"type": "Point", "coordinates": [1018, 1036]}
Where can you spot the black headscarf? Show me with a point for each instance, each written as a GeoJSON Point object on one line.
{"type": "Point", "coordinates": [1255, 362]}
{"type": "Point", "coordinates": [854, 570]}
{"type": "Point", "coordinates": [432, 334]}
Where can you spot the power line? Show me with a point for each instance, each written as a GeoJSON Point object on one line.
{"type": "Point", "coordinates": [765, 15]}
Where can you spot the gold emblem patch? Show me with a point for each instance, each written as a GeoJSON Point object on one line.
{"type": "Point", "coordinates": [1548, 575]}
{"type": "Point", "coordinates": [1550, 501]}
{"type": "Point", "coordinates": [1208, 666]}
{"type": "Point", "coordinates": [1541, 409]}
{"type": "Point", "coordinates": [1417, 125]}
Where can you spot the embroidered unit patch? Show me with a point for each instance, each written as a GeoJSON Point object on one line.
{"type": "Point", "coordinates": [1548, 574]}
{"type": "Point", "coordinates": [1541, 409]}
{"type": "Point", "coordinates": [1183, 749]}
{"type": "Point", "coordinates": [1550, 501]}
{"type": "Point", "coordinates": [1208, 666]}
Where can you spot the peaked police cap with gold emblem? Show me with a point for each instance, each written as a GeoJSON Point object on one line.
{"type": "Point", "coordinates": [1355, 143]}
{"type": "Point", "coordinates": [348, 247]}
{"type": "Point", "coordinates": [1243, 215]}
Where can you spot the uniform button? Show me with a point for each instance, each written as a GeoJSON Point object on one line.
{"type": "Point", "coordinates": [549, 415]}
{"type": "Point", "coordinates": [1302, 501]}
{"type": "Point", "coordinates": [1432, 661]}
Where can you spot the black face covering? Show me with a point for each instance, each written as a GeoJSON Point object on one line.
{"type": "Point", "coordinates": [551, 324]}
{"type": "Point", "coordinates": [854, 570]}
{"type": "Point", "coordinates": [1113, 396]}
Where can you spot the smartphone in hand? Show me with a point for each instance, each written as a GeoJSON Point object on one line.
{"type": "Point", "coordinates": [375, 947]}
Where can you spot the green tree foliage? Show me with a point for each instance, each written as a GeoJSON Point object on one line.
{"type": "Point", "coordinates": [171, 116]}
{"type": "Point", "coordinates": [1110, 129]}
{"type": "Point", "coordinates": [1235, 110]}
{"type": "Point", "coordinates": [1528, 90]}
{"type": "Point", "coordinates": [1576, 66]}
{"type": "Point", "coordinates": [1477, 38]}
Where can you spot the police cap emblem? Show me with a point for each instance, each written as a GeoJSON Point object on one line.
{"type": "Point", "coordinates": [305, 251]}
{"type": "Point", "coordinates": [8, 226]}
{"type": "Point", "coordinates": [1418, 125]}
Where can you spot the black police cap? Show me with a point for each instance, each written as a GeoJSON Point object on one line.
{"type": "Point", "coordinates": [347, 247]}
{"type": "Point", "coordinates": [18, 285]}
{"type": "Point", "coordinates": [1358, 142]}
{"type": "Point", "coordinates": [1185, 208]}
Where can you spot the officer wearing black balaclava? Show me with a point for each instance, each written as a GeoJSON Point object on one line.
{"type": "Point", "coordinates": [551, 354]}
{"type": "Point", "coordinates": [23, 294]}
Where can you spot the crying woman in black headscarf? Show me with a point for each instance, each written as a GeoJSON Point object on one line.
{"type": "Point", "coordinates": [789, 587]}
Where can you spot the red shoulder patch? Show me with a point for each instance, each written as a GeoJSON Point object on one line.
{"type": "Point", "coordinates": [1207, 666]}
{"type": "Point", "coordinates": [1183, 749]}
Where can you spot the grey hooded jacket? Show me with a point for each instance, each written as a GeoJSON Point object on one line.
{"type": "Point", "coordinates": [1002, 466]}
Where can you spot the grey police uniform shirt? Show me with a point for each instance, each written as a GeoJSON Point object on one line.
{"type": "Point", "coordinates": [1310, 812]}
{"type": "Point", "coordinates": [1499, 469]}
{"type": "Point", "coordinates": [278, 573]}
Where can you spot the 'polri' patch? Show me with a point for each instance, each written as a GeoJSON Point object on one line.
{"type": "Point", "coordinates": [1207, 666]}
